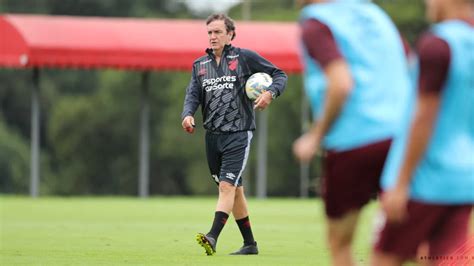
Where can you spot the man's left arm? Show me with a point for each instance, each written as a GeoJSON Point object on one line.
{"type": "Point", "coordinates": [256, 64]}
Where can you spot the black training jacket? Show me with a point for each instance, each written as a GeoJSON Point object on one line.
{"type": "Point", "coordinates": [220, 89]}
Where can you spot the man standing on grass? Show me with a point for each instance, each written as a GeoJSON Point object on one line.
{"type": "Point", "coordinates": [218, 85]}
{"type": "Point", "coordinates": [358, 83]}
{"type": "Point", "coordinates": [429, 180]}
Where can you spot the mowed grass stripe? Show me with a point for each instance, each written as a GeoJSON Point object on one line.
{"type": "Point", "coordinates": [161, 231]}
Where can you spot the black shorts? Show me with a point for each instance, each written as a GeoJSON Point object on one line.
{"type": "Point", "coordinates": [227, 155]}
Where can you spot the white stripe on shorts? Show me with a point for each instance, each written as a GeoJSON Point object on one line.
{"type": "Point", "coordinates": [247, 152]}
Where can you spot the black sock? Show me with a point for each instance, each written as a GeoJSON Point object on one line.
{"type": "Point", "coordinates": [220, 218]}
{"type": "Point", "coordinates": [246, 230]}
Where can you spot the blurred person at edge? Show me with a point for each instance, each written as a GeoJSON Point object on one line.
{"type": "Point", "coordinates": [428, 181]}
{"type": "Point", "coordinates": [358, 82]}
{"type": "Point", "coordinates": [218, 85]}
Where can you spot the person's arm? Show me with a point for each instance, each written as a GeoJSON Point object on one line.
{"type": "Point", "coordinates": [322, 47]}
{"type": "Point", "coordinates": [339, 86]}
{"type": "Point", "coordinates": [191, 103]}
{"type": "Point", "coordinates": [256, 64]}
{"type": "Point", "coordinates": [434, 56]}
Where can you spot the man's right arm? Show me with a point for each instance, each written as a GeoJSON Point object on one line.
{"type": "Point", "coordinates": [191, 102]}
{"type": "Point", "coordinates": [435, 57]}
{"type": "Point", "coordinates": [322, 47]}
{"type": "Point", "coordinates": [193, 96]}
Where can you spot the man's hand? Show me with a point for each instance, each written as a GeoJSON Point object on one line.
{"type": "Point", "coordinates": [263, 100]}
{"type": "Point", "coordinates": [394, 204]}
{"type": "Point", "coordinates": [305, 147]}
{"type": "Point", "coordinates": [188, 124]}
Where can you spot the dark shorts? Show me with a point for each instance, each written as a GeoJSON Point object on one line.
{"type": "Point", "coordinates": [227, 155]}
{"type": "Point", "coordinates": [444, 227]}
{"type": "Point", "coordinates": [351, 178]}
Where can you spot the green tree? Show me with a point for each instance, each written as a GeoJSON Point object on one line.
{"type": "Point", "coordinates": [14, 161]}
{"type": "Point", "coordinates": [93, 138]}
{"type": "Point", "coordinates": [408, 15]}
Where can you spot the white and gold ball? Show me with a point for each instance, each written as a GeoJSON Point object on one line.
{"type": "Point", "coordinates": [257, 84]}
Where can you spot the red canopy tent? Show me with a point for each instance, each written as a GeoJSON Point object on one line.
{"type": "Point", "coordinates": [146, 44]}
{"type": "Point", "coordinates": [36, 41]}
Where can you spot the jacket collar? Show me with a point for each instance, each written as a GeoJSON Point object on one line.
{"type": "Point", "coordinates": [227, 47]}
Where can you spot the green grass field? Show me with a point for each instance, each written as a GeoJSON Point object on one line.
{"type": "Point", "coordinates": [161, 231]}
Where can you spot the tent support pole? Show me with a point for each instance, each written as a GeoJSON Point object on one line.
{"type": "Point", "coordinates": [35, 136]}
{"type": "Point", "coordinates": [304, 167]}
{"type": "Point", "coordinates": [262, 130]}
{"type": "Point", "coordinates": [144, 148]}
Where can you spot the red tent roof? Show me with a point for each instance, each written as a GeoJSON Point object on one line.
{"type": "Point", "coordinates": [124, 43]}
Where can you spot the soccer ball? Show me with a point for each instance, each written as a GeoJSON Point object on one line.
{"type": "Point", "coordinates": [257, 84]}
